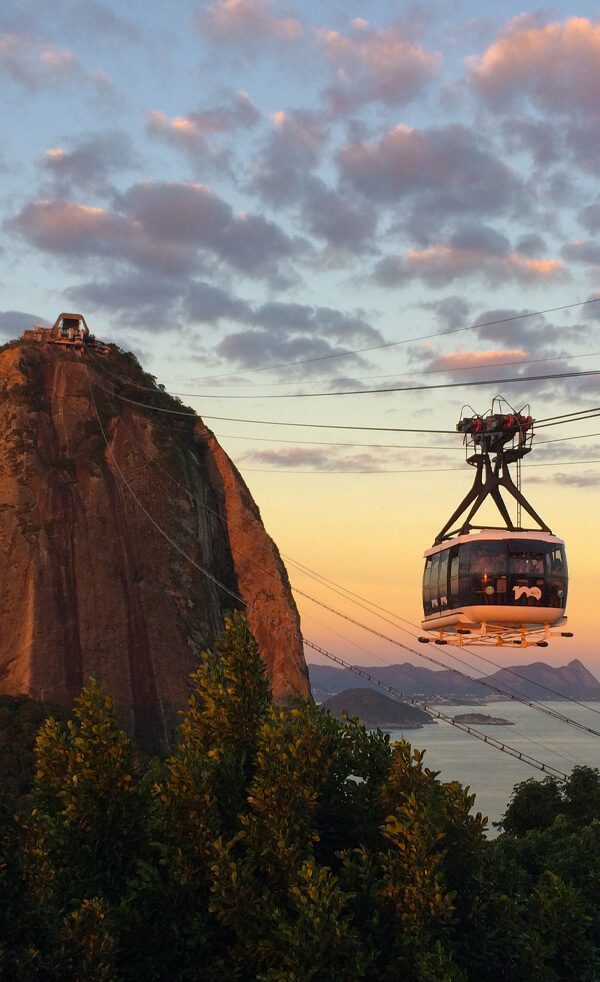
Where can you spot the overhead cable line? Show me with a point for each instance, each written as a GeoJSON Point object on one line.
{"type": "Point", "coordinates": [505, 693]}
{"type": "Point", "coordinates": [564, 416]}
{"type": "Point", "coordinates": [515, 379]}
{"type": "Point", "coordinates": [500, 690]}
{"type": "Point", "coordinates": [401, 470]}
{"type": "Point", "coordinates": [318, 426]}
{"type": "Point", "coordinates": [384, 446]}
{"type": "Point", "coordinates": [580, 418]}
{"type": "Point", "coordinates": [381, 612]}
{"type": "Point", "coordinates": [472, 731]}
{"type": "Point", "coordinates": [398, 374]}
{"type": "Point", "coordinates": [393, 344]}
{"type": "Point", "coordinates": [231, 419]}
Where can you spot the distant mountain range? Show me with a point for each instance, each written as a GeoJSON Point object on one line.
{"type": "Point", "coordinates": [534, 681]}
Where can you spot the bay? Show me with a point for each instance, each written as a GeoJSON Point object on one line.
{"type": "Point", "coordinates": [491, 774]}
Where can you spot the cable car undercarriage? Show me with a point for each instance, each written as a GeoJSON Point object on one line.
{"type": "Point", "coordinates": [495, 585]}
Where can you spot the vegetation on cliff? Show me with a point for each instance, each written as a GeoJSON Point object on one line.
{"type": "Point", "coordinates": [284, 846]}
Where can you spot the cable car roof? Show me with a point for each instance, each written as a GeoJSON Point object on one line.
{"type": "Point", "coordinates": [491, 535]}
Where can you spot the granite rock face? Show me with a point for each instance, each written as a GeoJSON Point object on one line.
{"type": "Point", "coordinates": [96, 542]}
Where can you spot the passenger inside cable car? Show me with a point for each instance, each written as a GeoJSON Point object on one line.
{"type": "Point", "coordinates": [500, 572]}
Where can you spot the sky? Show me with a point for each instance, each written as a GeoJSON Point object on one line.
{"type": "Point", "coordinates": [266, 200]}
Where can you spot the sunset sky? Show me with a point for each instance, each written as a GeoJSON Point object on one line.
{"type": "Point", "coordinates": [250, 194]}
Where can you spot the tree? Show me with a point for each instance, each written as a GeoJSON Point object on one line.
{"type": "Point", "coordinates": [533, 805]}
{"type": "Point", "coordinates": [90, 803]}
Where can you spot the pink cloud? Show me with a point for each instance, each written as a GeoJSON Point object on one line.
{"type": "Point", "coordinates": [171, 227]}
{"type": "Point", "coordinates": [193, 131]}
{"type": "Point", "coordinates": [472, 359]}
{"type": "Point", "coordinates": [445, 262]}
{"type": "Point", "coordinates": [453, 162]}
{"type": "Point", "coordinates": [244, 22]}
{"type": "Point", "coordinates": [557, 65]}
{"type": "Point", "coordinates": [375, 65]}
{"type": "Point", "coordinates": [35, 63]}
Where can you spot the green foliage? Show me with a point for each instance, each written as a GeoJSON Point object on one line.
{"type": "Point", "coordinates": [285, 847]}
{"type": "Point", "coordinates": [533, 805]}
{"type": "Point", "coordinates": [90, 808]}
{"type": "Point", "coordinates": [20, 720]}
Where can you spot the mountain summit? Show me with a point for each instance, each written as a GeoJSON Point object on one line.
{"type": "Point", "coordinates": [122, 529]}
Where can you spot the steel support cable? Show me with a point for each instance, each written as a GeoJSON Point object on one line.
{"type": "Point", "coordinates": [593, 414]}
{"type": "Point", "coordinates": [404, 388]}
{"type": "Point", "coordinates": [507, 691]}
{"type": "Point", "coordinates": [420, 703]}
{"type": "Point", "coordinates": [383, 446]}
{"type": "Point", "coordinates": [230, 419]}
{"type": "Point", "coordinates": [402, 470]}
{"type": "Point", "coordinates": [502, 691]}
{"type": "Point", "coordinates": [312, 426]}
{"type": "Point", "coordinates": [539, 707]}
{"type": "Point", "coordinates": [577, 412]}
{"type": "Point", "coordinates": [399, 374]}
{"type": "Point", "coordinates": [377, 611]}
{"type": "Point", "coordinates": [394, 344]}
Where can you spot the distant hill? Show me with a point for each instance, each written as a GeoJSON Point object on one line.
{"type": "Point", "coordinates": [375, 709]}
{"type": "Point", "coordinates": [572, 681]}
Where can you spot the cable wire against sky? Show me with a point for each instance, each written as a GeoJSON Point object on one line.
{"type": "Point", "coordinates": [393, 344]}
{"type": "Point", "coordinates": [472, 731]}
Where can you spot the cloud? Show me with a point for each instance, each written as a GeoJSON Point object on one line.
{"type": "Point", "coordinates": [584, 479]}
{"type": "Point", "coordinates": [250, 349]}
{"type": "Point", "coordinates": [90, 164]}
{"type": "Point", "coordinates": [515, 327]}
{"type": "Point", "coordinates": [89, 17]}
{"type": "Point", "coordinates": [344, 223]}
{"type": "Point", "coordinates": [246, 23]}
{"type": "Point", "coordinates": [534, 136]}
{"type": "Point", "coordinates": [458, 360]}
{"type": "Point", "coordinates": [138, 300]}
{"type": "Point", "coordinates": [292, 150]}
{"type": "Point", "coordinates": [374, 65]}
{"type": "Point", "coordinates": [283, 333]}
{"type": "Point", "coordinates": [210, 304]}
{"type": "Point", "coordinates": [35, 64]}
{"type": "Point", "coordinates": [195, 133]}
{"type": "Point", "coordinates": [555, 65]}
{"type": "Point", "coordinates": [451, 312]}
{"type": "Point", "coordinates": [582, 252]}
{"type": "Point", "coordinates": [451, 167]}
{"type": "Point", "coordinates": [566, 450]}
{"type": "Point", "coordinates": [473, 251]}
{"type": "Point", "coordinates": [283, 174]}
{"type": "Point", "coordinates": [170, 227]}
{"type": "Point", "coordinates": [14, 322]}
{"type": "Point", "coordinates": [325, 459]}
{"type": "Point", "coordinates": [592, 310]}
{"type": "Point", "coordinates": [296, 318]}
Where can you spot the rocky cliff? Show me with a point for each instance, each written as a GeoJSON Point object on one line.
{"type": "Point", "coordinates": [104, 540]}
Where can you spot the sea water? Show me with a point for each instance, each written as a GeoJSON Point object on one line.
{"type": "Point", "coordinates": [491, 774]}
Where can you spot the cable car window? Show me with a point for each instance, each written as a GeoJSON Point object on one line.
{"type": "Point", "coordinates": [454, 576]}
{"type": "Point", "coordinates": [557, 562]}
{"type": "Point", "coordinates": [427, 583]}
{"type": "Point", "coordinates": [442, 584]}
{"type": "Point", "coordinates": [527, 563]}
{"type": "Point", "coordinates": [435, 565]}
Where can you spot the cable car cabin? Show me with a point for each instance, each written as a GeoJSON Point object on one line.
{"type": "Point", "coordinates": [494, 582]}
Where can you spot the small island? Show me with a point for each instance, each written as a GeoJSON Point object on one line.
{"type": "Point", "coordinates": [481, 719]}
{"type": "Point", "coordinates": [376, 710]}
